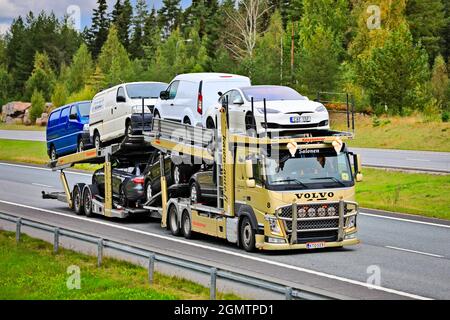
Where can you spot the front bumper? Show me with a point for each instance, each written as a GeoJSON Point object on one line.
{"type": "Point", "coordinates": [286, 246]}
{"type": "Point", "coordinates": [282, 122]}
{"type": "Point", "coordinates": [136, 123]}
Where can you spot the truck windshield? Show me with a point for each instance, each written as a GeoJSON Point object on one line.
{"type": "Point", "coordinates": [84, 109]}
{"type": "Point", "coordinates": [145, 90]}
{"type": "Point", "coordinates": [308, 170]}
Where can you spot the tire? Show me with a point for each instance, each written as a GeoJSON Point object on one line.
{"type": "Point", "coordinates": [128, 130]}
{"type": "Point", "coordinates": [80, 145]}
{"type": "Point", "coordinates": [247, 234]}
{"type": "Point", "coordinates": [87, 201]}
{"type": "Point", "coordinates": [176, 175]}
{"type": "Point", "coordinates": [97, 140]}
{"type": "Point", "coordinates": [122, 197]}
{"type": "Point", "coordinates": [195, 193]}
{"type": "Point", "coordinates": [53, 154]}
{"type": "Point", "coordinates": [173, 221]}
{"type": "Point", "coordinates": [148, 190]}
{"type": "Point", "coordinates": [77, 198]}
{"type": "Point", "coordinates": [186, 225]}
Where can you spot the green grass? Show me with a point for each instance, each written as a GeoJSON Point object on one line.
{"type": "Point", "coordinates": [23, 151]}
{"type": "Point", "coordinates": [4, 126]}
{"type": "Point", "coordinates": [421, 194]}
{"type": "Point", "coordinates": [406, 133]}
{"type": "Point", "coordinates": [31, 271]}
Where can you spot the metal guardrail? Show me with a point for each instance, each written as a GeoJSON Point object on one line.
{"type": "Point", "coordinates": [102, 243]}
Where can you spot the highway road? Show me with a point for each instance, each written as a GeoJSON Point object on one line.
{"type": "Point", "coordinates": [383, 158]}
{"type": "Point", "coordinates": [411, 255]}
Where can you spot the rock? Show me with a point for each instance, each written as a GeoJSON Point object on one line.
{"type": "Point", "coordinates": [39, 122]}
{"type": "Point", "coordinates": [9, 120]}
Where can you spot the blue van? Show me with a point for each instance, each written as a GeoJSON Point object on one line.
{"type": "Point", "coordinates": [68, 129]}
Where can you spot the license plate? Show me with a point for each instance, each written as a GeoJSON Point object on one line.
{"type": "Point", "coordinates": [301, 119]}
{"type": "Point", "coordinates": [315, 245]}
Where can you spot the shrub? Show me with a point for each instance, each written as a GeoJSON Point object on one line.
{"type": "Point", "coordinates": [37, 105]}
{"type": "Point", "coordinates": [445, 116]}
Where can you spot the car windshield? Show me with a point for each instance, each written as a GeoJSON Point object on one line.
{"type": "Point", "coordinates": [308, 169]}
{"type": "Point", "coordinates": [84, 109]}
{"type": "Point", "coordinates": [145, 90]}
{"type": "Point", "coordinates": [271, 93]}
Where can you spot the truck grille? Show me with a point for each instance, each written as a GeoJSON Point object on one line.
{"type": "Point", "coordinates": [313, 225]}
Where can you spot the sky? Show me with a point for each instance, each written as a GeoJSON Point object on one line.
{"type": "Point", "coordinates": [10, 9]}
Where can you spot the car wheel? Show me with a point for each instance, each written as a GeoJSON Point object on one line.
{"type": "Point", "coordinates": [122, 197]}
{"type": "Point", "coordinates": [173, 221]}
{"type": "Point", "coordinates": [128, 129]}
{"type": "Point", "coordinates": [77, 201]}
{"type": "Point", "coordinates": [195, 193]}
{"type": "Point", "coordinates": [247, 235]}
{"type": "Point", "coordinates": [176, 175]}
{"type": "Point", "coordinates": [53, 155]}
{"type": "Point", "coordinates": [97, 140]}
{"type": "Point", "coordinates": [187, 225]}
{"type": "Point", "coordinates": [80, 146]}
{"type": "Point", "coordinates": [87, 201]}
{"type": "Point", "coordinates": [148, 191]}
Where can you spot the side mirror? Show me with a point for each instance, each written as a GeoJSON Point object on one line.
{"type": "Point", "coordinates": [238, 101]}
{"type": "Point", "coordinates": [359, 177]}
{"type": "Point", "coordinates": [121, 99]}
{"type": "Point", "coordinates": [73, 116]}
{"type": "Point", "coordinates": [164, 95]}
{"type": "Point", "coordinates": [358, 167]}
{"type": "Point", "coordinates": [251, 183]}
{"type": "Point", "coordinates": [220, 93]}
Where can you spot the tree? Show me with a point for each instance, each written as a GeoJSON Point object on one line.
{"type": "Point", "coordinates": [98, 33]}
{"type": "Point", "coordinates": [319, 68]}
{"type": "Point", "coordinates": [440, 81]}
{"type": "Point", "coordinates": [6, 83]}
{"type": "Point", "coordinates": [80, 70]}
{"type": "Point", "coordinates": [116, 13]}
{"type": "Point", "coordinates": [394, 72]}
{"type": "Point", "coordinates": [123, 24]}
{"type": "Point", "coordinates": [37, 105]}
{"type": "Point", "coordinates": [169, 16]}
{"type": "Point", "coordinates": [42, 78]}
{"type": "Point", "coordinates": [59, 95]}
{"type": "Point", "coordinates": [427, 20]}
{"type": "Point", "coordinates": [139, 20]}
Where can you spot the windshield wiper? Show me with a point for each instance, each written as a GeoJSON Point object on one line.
{"type": "Point", "coordinates": [294, 180]}
{"type": "Point", "coordinates": [331, 178]}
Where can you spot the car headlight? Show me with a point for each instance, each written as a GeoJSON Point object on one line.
{"type": "Point", "coordinates": [261, 110]}
{"type": "Point", "coordinates": [86, 127]}
{"type": "Point", "coordinates": [321, 109]}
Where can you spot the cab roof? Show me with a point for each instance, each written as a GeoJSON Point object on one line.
{"type": "Point", "coordinates": [204, 76]}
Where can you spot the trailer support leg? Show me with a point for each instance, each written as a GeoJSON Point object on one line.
{"type": "Point", "coordinates": [108, 184]}
{"type": "Point", "coordinates": [164, 196]}
{"type": "Point", "coordinates": [66, 189]}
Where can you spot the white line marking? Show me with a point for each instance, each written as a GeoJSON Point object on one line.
{"type": "Point", "coordinates": [42, 185]}
{"type": "Point", "coordinates": [240, 255]}
{"type": "Point", "coordinates": [42, 169]}
{"type": "Point", "coordinates": [405, 220]}
{"type": "Point", "coordinates": [414, 251]}
{"type": "Point", "coordinates": [423, 160]}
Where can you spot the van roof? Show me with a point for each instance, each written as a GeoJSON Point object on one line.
{"type": "Point", "coordinates": [209, 76]}
{"type": "Point", "coordinates": [71, 104]}
{"type": "Point", "coordinates": [126, 83]}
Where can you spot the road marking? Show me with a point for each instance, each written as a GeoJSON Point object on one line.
{"type": "Point", "coordinates": [240, 255]}
{"type": "Point", "coordinates": [42, 169]}
{"type": "Point", "coordinates": [414, 251]}
{"type": "Point", "coordinates": [405, 220]}
{"type": "Point", "coordinates": [423, 160]}
{"type": "Point", "coordinates": [42, 185]}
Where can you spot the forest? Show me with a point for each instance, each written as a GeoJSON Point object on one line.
{"type": "Point", "coordinates": [392, 56]}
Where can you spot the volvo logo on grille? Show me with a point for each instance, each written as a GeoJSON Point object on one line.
{"type": "Point", "coordinates": [315, 195]}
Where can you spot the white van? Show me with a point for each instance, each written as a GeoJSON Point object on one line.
{"type": "Point", "coordinates": [189, 96]}
{"type": "Point", "coordinates": [117, 111]}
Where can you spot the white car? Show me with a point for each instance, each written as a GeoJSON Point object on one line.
{"type": "Point", "coordinates": [286, 110]}
{"type": "Point", "coordinates": [117, 111]}
{"type": "Point", "coordinates": [189, 96]}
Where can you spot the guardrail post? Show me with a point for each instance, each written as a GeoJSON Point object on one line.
{"type": "Point", "coordinates": [56, 240]}
{"type": "Point", "coordinates": [99, 252]}
{"type": "Point", "coordinates": [288, 293]}
{"type": "Point", "coordinates": [213, 284]}
{"type": "Point", "coordinates": [151, 268]}
{"type": "Point", "coordinates": [18, 227]}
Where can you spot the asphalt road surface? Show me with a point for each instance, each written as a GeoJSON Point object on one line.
{"type": "Point", "coordinates": [383, 158]}
{"type": "Point", "coordinates": [411, 255]}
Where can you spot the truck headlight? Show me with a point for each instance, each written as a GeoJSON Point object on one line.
{"type": "Point", "coordinates": [274, 225]}
{"type": "Point", "coordinates": [351, 222]}
{"type": "Point", "coordinates": [261, 110]}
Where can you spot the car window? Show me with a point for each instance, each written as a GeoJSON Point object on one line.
{"type": "Point", "coordinates": [54, 117]}
{"type": "Point", "coordinates": [65, 115]}
{"type": "Point", "coordinates": [234, 96]}
{"type": "Point", "coordinates": [173, 90]}
{"type": "Point", "coordinates": [226, 95]}
{"type": "Point", "coordinates": [84, 109]}
{"type": "Point", "coordinates": [74, 110]}
{"type": "Point", "coordinates": [121, 92]}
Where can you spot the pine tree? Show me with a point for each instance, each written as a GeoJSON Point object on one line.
{"type": "Point", "coordinates": [151, 37]}
{"type": "Point", "coordinates": [440, 82]}
{"type": "Point", "coordinates": [42, 78]}
{"type": "Point", "coordinates": [80, 70]}
{"type": "Point", "coordinates": [37, 105]}
{"type": "Point", "coordinates": [123, 24]}
{"type": "Point", "coordinates": [169, 16]}
{"type": "Point", "coordinates": [426, 20]}
{"type": "Point", "coordinates": [59, 95]}
{"type": "Point", "coordinates": [137, 41]}
{"type": "Point", "coordinates": [99, 31]}
{"type": "Point", "coordinates": [117, 12]}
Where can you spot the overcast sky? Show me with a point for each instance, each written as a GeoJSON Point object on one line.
{"type": "Point", "coordinates": [10, 9]}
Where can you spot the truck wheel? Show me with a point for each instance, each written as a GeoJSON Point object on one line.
{"type": "Point", "coordinates": [97, 140]}
{"type": "Point", "coordinates": [87, 201]}
{"type": "Point", "coordinates": [187, 225]}
{"type": "Point", "coordinates": [128, 130]}
{"type": "Point", "coordinates": [173, 221]}
{"type": "Point", "coordinates": [247, 235]}
{"type": "Point", "coordinates": [53, 155]}
{"type": "Point", "coordinates": [78, 200]}
{"type": "Point", "coordinates": [80, 145]}
{"type": "Point", "coordinates": [195, 195]}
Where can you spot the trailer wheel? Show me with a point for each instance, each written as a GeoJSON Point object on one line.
{"type": "Point", "coordinates": [247, 235]}
{"type": "Point", "coordinates": [187, 225]}
{"type": "Point", "coordinates": [78, 200]}
{"type": "Point", "coordinates": [87, 201]}
{"type": "Point", "coordinates": [173, 221]}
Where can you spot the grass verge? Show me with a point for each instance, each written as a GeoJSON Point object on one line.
{"type": "Point", "coordinates": [421, 194]}
{"type": "Point", "coordinates": [31, 271]}
{"type": "Point", "coordinates": [4, 126]}
{"type": "Point", "coordinates": [405, 133]}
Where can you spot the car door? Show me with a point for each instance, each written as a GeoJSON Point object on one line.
{"type": "Point", "coordinates": [119, 113]}
{"type": "Point", "coordinates": [62, 143]}
{"type": "Point", "coordinates": [168, 109]}
{"type": "Point", "coordinates": [236, 111]}
{"type": "Point", "coordinates": [73, 128]}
